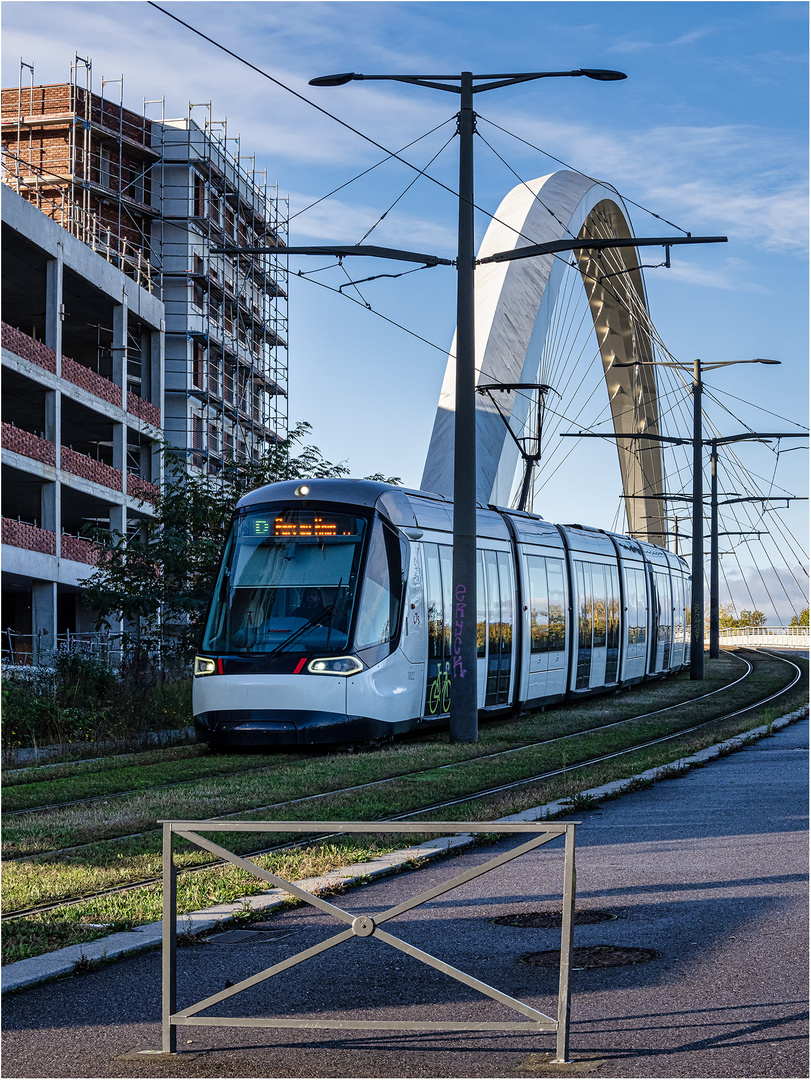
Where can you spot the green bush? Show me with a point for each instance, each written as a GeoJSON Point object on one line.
{"type": "Point", "coordinates": [81, 699]}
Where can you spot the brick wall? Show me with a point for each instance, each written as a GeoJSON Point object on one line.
{"type": "Point", "coordinates": [27, 444]}
{"type": "Point", "coordinates": [144, 410]}
{"type": "Point", "coordinates": [82, 376]}
{"type": "Point", "coordinates": [141, 488]}
{"type": "Point", "coordinates": [21, 534]}
{"type": "Point", "coordinates": [90, 469]}
{"type": "Point", "coordinates": [20, 343]}
{"type": "Point", "coordinates": [74, 547]}
{"type": "Point", "coordinates": [17, 342]}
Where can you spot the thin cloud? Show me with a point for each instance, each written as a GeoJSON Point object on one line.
{"type": "Point", "coordinates": [337, 221]}
{"type": "Point", "coordinates": [690, 38]}
{"type": "Point", "coordinates": [698, 177]}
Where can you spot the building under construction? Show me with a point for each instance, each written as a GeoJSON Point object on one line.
{"type": "Point", "coordinates": [156, 197]}
{"type": "Point", "coordinates": [98, 368]}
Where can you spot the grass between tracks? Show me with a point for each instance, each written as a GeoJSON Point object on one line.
{"type": "Point", "coordinates": [122, 845]}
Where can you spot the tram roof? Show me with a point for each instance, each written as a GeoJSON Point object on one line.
{"type": "Point", "coordinates": [423, 509]}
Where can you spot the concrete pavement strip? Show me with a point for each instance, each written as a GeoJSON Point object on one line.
{"type": "Point", "coordinates": [39, 969]}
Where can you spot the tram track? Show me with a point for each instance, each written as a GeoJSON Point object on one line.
{"type": "Point", "coordinates": [468, 797]}
{"type": "Point", "coordinates": [354, 788]}
{"type": "Point", "coordinates": [104, 798]}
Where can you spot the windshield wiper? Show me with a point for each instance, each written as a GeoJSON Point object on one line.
{"type": "Point", "coordinates": [316, 620]}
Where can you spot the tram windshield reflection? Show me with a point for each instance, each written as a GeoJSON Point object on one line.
{"type": "Point", "coordinates": [288, 581]}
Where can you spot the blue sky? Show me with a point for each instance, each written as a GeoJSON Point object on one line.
{"type": "Point", "coordinates": [709, 131]}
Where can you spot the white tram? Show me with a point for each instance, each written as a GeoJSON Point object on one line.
{"type": "Point", "coordinates": [331, 617]}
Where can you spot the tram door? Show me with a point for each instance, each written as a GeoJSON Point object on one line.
{"type": "Point", "coordinates": [438, 585]}
{"type": "Point", "coordinates": [679, 621]}
{"type": "Point", "coordinates": [598, 624]}
{"type": "Point", "coordinates": [495, 588]}
{"type": "Point", "coordinates": [498, 575]}
{"type": "Point", "coordinates": [500, 605]}
{"type": "Point", "coordinates": [662, 606]}
{"type": "Point", "coordinates": [547, 627]}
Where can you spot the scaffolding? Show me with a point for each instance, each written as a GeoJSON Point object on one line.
{"type": "Point", "coordinates": [226, 315]}
{"type": "Point", "coordinates": [85, 161]}
{"type": "Point", "coordinates": [153, 196]}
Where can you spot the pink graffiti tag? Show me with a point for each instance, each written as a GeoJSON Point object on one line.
{"type": "Point", "coordinates": [458, 670]}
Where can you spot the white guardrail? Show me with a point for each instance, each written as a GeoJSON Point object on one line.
{"type": "Point", "coordinates": [782, 637]}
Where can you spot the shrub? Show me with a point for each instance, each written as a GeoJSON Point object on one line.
{"type": "Point", "coordinates": [81, 699]}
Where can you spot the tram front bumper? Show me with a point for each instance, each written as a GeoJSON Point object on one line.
{"type": "Point", "coordinates": [281, 727]}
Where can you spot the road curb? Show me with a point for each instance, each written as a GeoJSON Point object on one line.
{"type": "Point", "coordinates": [24, 974]}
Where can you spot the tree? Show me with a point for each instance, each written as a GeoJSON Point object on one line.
{"type": "Point", "coordinates": [728, 620]}
{"type": "Point", "coordinates": [159, 579]}
{"type": "Point", "coordinates": [801, 619]}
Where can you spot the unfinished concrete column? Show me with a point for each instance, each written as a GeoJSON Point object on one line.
{"type": "Point", "coordinates": [120, 319]}
{"type": "Point", "coordinates": [50, 503]}
{"type": "Point", "coordinates": [54, 305]}
{"type": "Point", "coordinates": [43, 620]}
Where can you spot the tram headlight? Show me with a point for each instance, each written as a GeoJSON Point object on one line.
{"type": "Point", "coordinates": [335, 665]}
{"type": "Point", "coordinates": [204, 666]}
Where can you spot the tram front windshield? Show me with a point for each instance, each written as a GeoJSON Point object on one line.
{"type": "Point", "coordinates": [287, 582]}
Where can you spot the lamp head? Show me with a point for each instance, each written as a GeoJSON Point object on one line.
{"type": "Point", "coordinates": [603, 75]}
{"type": "Point", "coordinates": [333, 80]}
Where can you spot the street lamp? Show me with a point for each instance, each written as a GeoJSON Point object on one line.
{"type": "Point", "coordinates": [464, 696]}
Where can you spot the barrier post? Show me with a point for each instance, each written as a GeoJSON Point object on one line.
{"type": "Point", "coordinates": [566, 938]}
{"type": "Point", "coordinates": [169, 965]}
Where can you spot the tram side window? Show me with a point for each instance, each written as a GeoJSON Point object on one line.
{"type": "Point", "coordinates": [663, 595]}
{"type": "Point", "coordinates": [538, 604]}
{"type": "Point", "coordinates": [494, 619]}
{"type": "Point", "coordinates": [436, 632]}
{"type": "Point", "coordinates": [641, 607]}
{"type": "Point", "coordinates": [446, 560]}
{"type": "Point", "coordinates": [598, 592]}
{"type": "Point", "coordinates": [557, 605]}
{"type": "Point", "coordinates": [636, 596]}
{"type": "Point", "coordinates": [507, 602]}
{"type": "Point", "coordinates": [481, 607]}
{"type": "Point", "coordinates": [547, 604]}
{"type": "Point", "coordinates": [612, 624]}
{"type": "Point", "coordinates": [682, 605]}
{"type": "Point", "coordinates": [379, 615]}
{"type": "Point", "coordinates": [585, 625]}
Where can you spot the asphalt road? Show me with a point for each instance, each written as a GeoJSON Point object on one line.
{"type": "Point", "coordinates": [709, 871]}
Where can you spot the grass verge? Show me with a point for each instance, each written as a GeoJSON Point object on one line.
{"type": "Point", "coordinates": [119, 860]}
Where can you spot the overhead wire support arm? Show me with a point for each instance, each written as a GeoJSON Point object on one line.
{"type": "Point", "coordinates": [723, 440]}
{"type": "Point", "coordinates": [551, 247]}
{"type": "Point", "coordinates": [623, 435]}
{"type": "Point", "coordinates": [340, 251]}
{"type": "Point", "coordinates": [531, 457]}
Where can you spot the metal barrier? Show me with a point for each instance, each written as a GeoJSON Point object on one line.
{"type": "Point", "coordinates": [364, 926]}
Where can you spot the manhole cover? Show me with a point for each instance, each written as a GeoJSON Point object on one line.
{"type": "Point", "coordinates": [543, 919]}
{"type": "Point", "coordinates": [242, 937]}
{"type": "Point", "coordinates": [592, 956]}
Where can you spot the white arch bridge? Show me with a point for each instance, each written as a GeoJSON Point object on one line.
{"type": "Point", "coordinates": [514, 324]}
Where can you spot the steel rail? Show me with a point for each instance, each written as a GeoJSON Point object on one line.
{"type": "Point", "coordinates": [377, 783]}
{"type": "Point", "coordinates": [72, 901]}
{"type": "Point", "coordinates": [357, 787]}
